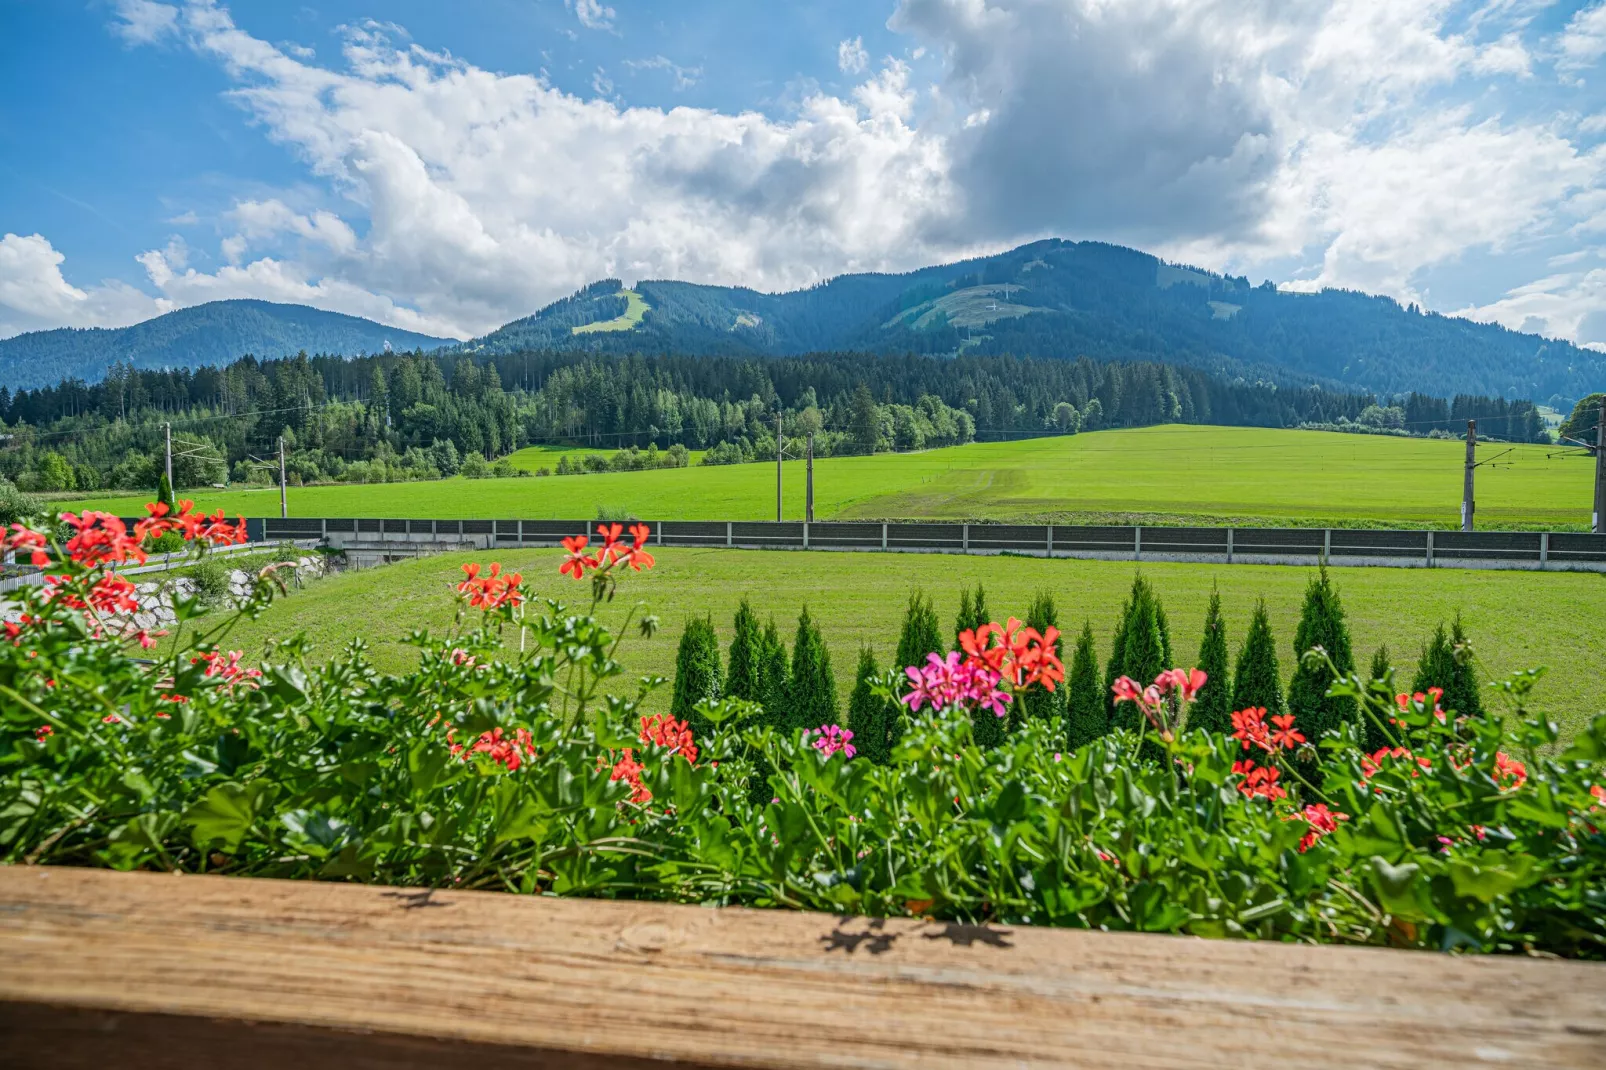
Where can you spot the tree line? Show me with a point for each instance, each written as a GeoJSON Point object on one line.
{"type": "Point", "coordinates": [400, 416]}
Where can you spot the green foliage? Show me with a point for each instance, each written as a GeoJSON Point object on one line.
{"type": "Point", "coordinates": [1255, 680]}
{"type": "Point", "coordinates": [811, 694]}
{"type": "Point", "coordinates": [775, 676]}
{"type": "Point", "coordinates": [1583, 423]}
{"type": "Point", "coordinates": [1085, 715]}
{"type": "Point", "coordinates": [744, 676]}
{"type": "Point", "coordinates": [1212, 710]}
{"type": "Point", "coordinates": [1039, 702]}
{"type": "Point", "coordinates": [1380, 671]}
{"type": "Point", "coordinates": [211, 578]}
{"type": "Point", "coordinates": [876, 721]}
{"type": "Point", "coordinates": [697, 675]}
{"type": "Point", "coordinates": [1321, 624]}
{"type": "Point", "coordinates": [1141, 649]}
{"type": "Point", "coordinates": [16, 506]}
{"type": "Point", "coordinates": [164, 490]}
{"type": "Point", "coordinates": [921, 634]}
{"type": "Point", "coordinates": [1447, 662]}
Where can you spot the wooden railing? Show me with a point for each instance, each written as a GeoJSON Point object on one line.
{"type": "Point", "coordinates": [101, 969]}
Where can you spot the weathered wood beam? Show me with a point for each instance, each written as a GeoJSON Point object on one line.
{"type": "Point", "coordinates": [101, 969]}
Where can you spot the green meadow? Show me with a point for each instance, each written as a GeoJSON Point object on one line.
{"type": "Point", "coordinates": [1154, 475]}
{"type": "Point", "coordinates": [1516, 620]}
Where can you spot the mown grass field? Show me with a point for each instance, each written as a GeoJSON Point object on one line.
{"type": "Point", "coordinates": [1516, 620]}
{"type": "Point", "coordinates": [1171, 474]}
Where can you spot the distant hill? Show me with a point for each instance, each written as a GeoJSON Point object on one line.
{"type": "Point", "coordinates": [1061, 298]}
{"type": "Point", "coordinates": [214, 333]}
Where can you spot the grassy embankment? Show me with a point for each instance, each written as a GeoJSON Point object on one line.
{"type": "Point", "coordinates": [1516, 620]}
{"type": "Point", "coordinates": [1156, 475]}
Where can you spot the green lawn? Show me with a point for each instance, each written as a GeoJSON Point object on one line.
{"type": "Point", "coordinates": [1172, 474]}
{"type": "Point", "coordinates": [1516, 620]}
{"type": "Point", "coordinates": [636, 309]}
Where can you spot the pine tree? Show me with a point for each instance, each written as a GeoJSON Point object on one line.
{"type": "Point", "coordinates": [922, 633]}
{"type": "Point", "coordinates": [872, 719]}
{"type": "Point", "coordinates": [1321, 623]}
{"type": "Point", "coordinates": [742, 678]}
{"type": "Point", "coordinates": [1039, 702]}
{"type": "Point", "coordinates": [1256, 680]}
{"type": "Point", "coordinates": [811, 696]}
{"type": "Point", "coordinates": [1380, 669]}
{"type": "Point", "coordinates": [1085, 718]}
{"type": "Point", "coordinates": [697, 675]}
{"type": "Point", "coordinates": [1212, 710]}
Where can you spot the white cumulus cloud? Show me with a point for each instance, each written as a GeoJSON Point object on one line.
{"type": "Point", "coordinates": [592, 14]}
{"type": "Point", "coordinates": [851, 58]}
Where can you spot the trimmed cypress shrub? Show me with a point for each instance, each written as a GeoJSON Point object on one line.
{"type": "Point", "coordinates": [1379, 671]}
{"type": "Point", "coordinates": [1212, 709]}
{"type": "Point", "coordinates": [1039, 702]}
{"type": "Point", "coordinates": [742, 677]}
{"type": "Point", "coordinates": [966, 621]}
{"type": "Point", "coordinates": [1145, 651]}
{"type": "Point", "coordinates": [1085, 719]}
{"type": "Point", "coordinates": [921, 635]}
{"type": "Point", "coordinates": [872, 719]}
{"type": "Point", "coordinates": [978, 606]}
{"type": "Point", "coordinates": [811, 698]}
{"type": "Point", "coordinates": [697, 675]}
{"type": "Point", "coordinates": [1321, 623]}
{"type": "Point", "coordinates": [1447, 663]}
{"type": "Point", "coordinates": [774, 676]}
{"type": "Point", "coordinates": [1256, 680]}
{"type": "Point", "coordinates": [164, 490]}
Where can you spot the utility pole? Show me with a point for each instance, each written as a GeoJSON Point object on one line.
{"type": "Point", "coordinates": [1599, 526]}
{"type": "Point", "coordinates": [169, 467]}
{"type": "Point", "coordinates": [777, 464]}
{"type": "Point", "coordinates": [1468, 505]}
{"type": "Point", "coordinates": [284, 505]}
{"type": "Point", "coordinates": [808, 499]}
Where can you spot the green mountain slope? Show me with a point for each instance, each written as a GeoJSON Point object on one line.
{"type": "Point", "coordinates": [1059, 298]}
{"type": "Point", "coordinates": [214, 333]}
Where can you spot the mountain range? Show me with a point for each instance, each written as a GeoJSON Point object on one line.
{"type": "Point", "coordinates": [1050, 298]}
{"type": "Point", "coordinates": [213, 333]}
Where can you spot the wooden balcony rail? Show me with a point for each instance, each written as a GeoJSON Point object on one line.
{"type": "Point", "coordinates": [106, 969]}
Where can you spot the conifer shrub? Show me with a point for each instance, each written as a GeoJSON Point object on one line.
{"type": "Point", "coordinates": [1380, 669]}
{"type": "Point", "coordinates": [921, 634]}
{"type": "Point", "coordinates": [742, 676]}
{"type": "Point", "coordinates": [1321, 624]}
{"type": "Point", "coordinates": [1085, 718]}
{"type": "Point", "coordinates": [873, 719]}
{"type": "Point", "coordinates": [811, 695]}
{"type": "Point", "coordinates": [1142, 650]}
{"type": "Point", "coordinates": [1447, 663]}
{"type": "Point", "coordinates": [1255, 680]}
{"type": "Point", "coordinates": [1040, 702]}
{"type": "Point", "coordinates": [774, 676]}
{"type": "Point", "coordinates": [697, 673]}
{"type": "Point", "coordinates": [1212, 710]}
{"type": "Point", "coordinates": [966, 620]}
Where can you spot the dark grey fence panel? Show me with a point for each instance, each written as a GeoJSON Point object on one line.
{"type": "Point", "coordinates": [925, 536]}
{"type": "Point", "coordinates": [1579, 547]}
{"type": "Point", "coordinates": [478, 527]}
{"type": "Point", "coordinates": [370, 526]}
{"type": "Point", "coordinates": [1402, 544]}
{"type": "Point", "coordinates": [766, 533]}
{"type": "Point", "coordinates": [1025, 537]}
{"type": "Point", "coordinates": [553, 532]}
{"type": "Point", "coordinates": [707, 533]}
{"type": "Point", "coordinates": [842, 535]}
{"type": "Point", "coordinates": [292, 528]}
{"type": "Point", "coordinates": [1185, 541]}
{"type": "Point", "coordinates": [421, 527]}
{"type": "Point", "coordinates": [1276, 542]}
{"type": "Point", "coordinates": [394, 527]}
{"type": "Point", "coordinates": [1487, 545]}
{"type": "Point", "coordinates": [1095, 539]}
{"type": "Point", "coordinates": [343, 526]}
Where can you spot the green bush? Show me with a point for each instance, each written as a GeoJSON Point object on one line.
{"type": "Point", "coordinates": [1212, 712]}
{"type": "Point", "coordinates": [169, 542]}
{"type": "Point", "coordinates": [1141, 650]}
{"type": "Point", "coordinates": [697, 675]}
{"type": "Point", "coordinates": [1256, 681]}
{"type": "Point", "coordinates": [1085, 716]}
{"type": "Point", "coordinates": [874, 719]}
{"type": "Point", "coordinates": [1447, 663]}
{"type": "Point", "coordinates": [921, 634]}
{"type": "Point", "coordinates": [16, 506]}
{"type": "Point", "coordinates": [1321, 624]}
{"type": "Point", "coordinates": [743, 677]}
{"type": "Point", "coordinates": [211, 578]}
{"type": "Point", "coordinates": [811, 693]}
{"type": "Point", "coordinates": [1040, 702]}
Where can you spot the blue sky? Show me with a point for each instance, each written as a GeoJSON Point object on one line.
{"type": "Point", "coordinates": [447, 167]}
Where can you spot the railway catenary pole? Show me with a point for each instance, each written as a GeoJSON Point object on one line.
{"type": "Point", "coordinates": [1599, 526]}
{"type": "Point", "coordinates": [169, 464]}
{"type": "Point", "coordinates": [284, 504]}
{"type": "Point", "coordinates": [777, 464]}
{"type": "Point", "coordinates": [1468, 504]}
{"type": "Point", "coordinates": [808, 499]}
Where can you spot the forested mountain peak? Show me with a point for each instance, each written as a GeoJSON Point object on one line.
{"type": "Point", "coordinates": [209, 334]}
{"type": "Point", "coordinates": [1056, 298]}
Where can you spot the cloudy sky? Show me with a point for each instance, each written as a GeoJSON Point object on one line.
{"type": "Point", "coordinates": [448, 167]}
